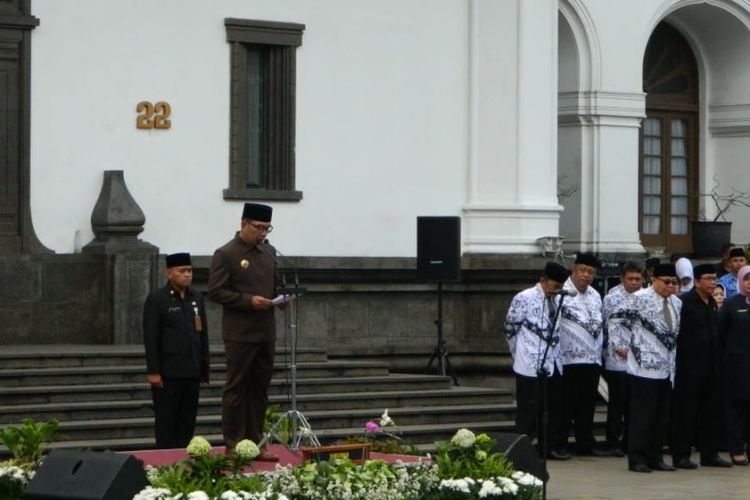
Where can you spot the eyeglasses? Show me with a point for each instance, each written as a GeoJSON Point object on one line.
{"type": "Point", "coordinates": [668, 282]}
{"type": "Point", "coordinates": [261, 227]}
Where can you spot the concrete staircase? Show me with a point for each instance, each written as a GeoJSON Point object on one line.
{"type": "Point", "coordinates": [100, 396]}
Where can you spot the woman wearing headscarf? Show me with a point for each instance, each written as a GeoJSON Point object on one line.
{"type": "Point", "coordinates": [734, 329]}
{"type": "Point", "coordinates": [684, 270]}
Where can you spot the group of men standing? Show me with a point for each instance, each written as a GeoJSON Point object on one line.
{"type": "Point", "coordinates": [243, 279]}
{"type": "Point", "coordinates": [659, 353]}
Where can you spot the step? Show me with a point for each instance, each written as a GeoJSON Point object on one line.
{"type": "Point", "coordinates": [16, 377]}
{"type": "Point", "coordinates": [50, 356]}
{"type": "Point", "coordinates": [140, 391]}
{"type": "Point", "coordinates": [84, 410]}
{"type": "Point", "coordinates": [411, 417]}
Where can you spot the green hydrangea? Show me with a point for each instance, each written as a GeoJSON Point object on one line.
{"type": "Point", "coordinates": [198, 447]}
{"type": "Point", "coordinates": [246, 449]}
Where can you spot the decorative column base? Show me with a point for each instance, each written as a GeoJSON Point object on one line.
{"type": "Point", "coordinates": [508, 229]}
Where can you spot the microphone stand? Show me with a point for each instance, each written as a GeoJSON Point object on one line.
{"type": "Point", "coordinates": [299, 427]}
{"type": "Point", "coordinates": [542, 391]}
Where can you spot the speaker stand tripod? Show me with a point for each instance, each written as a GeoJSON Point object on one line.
{"type": "Point", "coordinates": [299, 427]}
{"type": "Point", "coordinates": [441, 353]}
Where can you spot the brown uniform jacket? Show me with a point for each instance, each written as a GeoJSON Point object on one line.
{"type": "Point", "coordinates": [237, 273]}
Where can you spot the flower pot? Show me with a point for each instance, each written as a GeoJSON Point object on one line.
{"type": "Point", "coordinates": [709, 237]}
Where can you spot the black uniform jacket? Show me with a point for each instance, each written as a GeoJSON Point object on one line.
{"type": "Point", "coordinates": [698, 342]}
{"type": "Point", "coordinates": [174, 347]}
{"type": "Point", "coordinates": [734, 327]}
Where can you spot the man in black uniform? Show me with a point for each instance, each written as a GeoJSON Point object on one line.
{"type": "Point", "coordinates": [697, 390]}
{"type": "Point", "coordinates": [176, 342]}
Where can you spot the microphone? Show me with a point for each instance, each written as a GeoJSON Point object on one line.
{"type": "Point", "coordinates": [286, 263]}
{"type": "Point", "coordinates": [567, 293]}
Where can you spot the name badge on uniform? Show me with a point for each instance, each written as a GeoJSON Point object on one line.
{"type": "Point", "coordinates": [244, 263]}
{"type": "Point", "coordinates": [741, 310]}
{"type": "Point", "coordinates": [197, 318]}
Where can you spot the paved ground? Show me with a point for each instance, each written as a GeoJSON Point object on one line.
{"type": "Point", "coordinates": [608, 478]}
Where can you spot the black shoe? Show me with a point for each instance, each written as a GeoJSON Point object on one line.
{"type": "Point", "coordinates": [743, 461]}
{"type": "Point", "coordinates": [601, 452]}
{"type": "Point", "coordinates": [559, 454]}
{"type": "Point", "coordinates": [715, 461]}
{"type": "Point", "coordinates": [639, 468]}
{"type": "Point", "coordinates": [661, 466]}
{"type": "Point", "coordinates": [616, 451]}
{"type": "Point", "coordinates": [685, 463]}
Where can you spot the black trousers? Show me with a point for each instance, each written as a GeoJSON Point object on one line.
{"type": "Point", "coordinates": [528, 413]}
{"type": "Point", "coordinates": [245, 397]}
{"type": "Point", "coordinates": [696, 415]}
{"type": "Point", "coordinates": [175, 411]}
{"type": "Point", "coordinates": [617, 408]}
{"type": "Point", "coordinates": [738, 425]}
{"type": "Point", "coordinates": [648, 426]}
{"type": "Point", "coordinates": [580, 383]}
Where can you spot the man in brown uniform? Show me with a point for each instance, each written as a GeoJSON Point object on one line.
{"type": "Point", "coordinates": [243, 280]}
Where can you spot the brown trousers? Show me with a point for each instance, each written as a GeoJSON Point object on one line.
{"type": "Point", "coordinates": [249, 370]}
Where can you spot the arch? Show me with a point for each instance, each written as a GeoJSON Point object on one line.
{"type": "Point", "coordinates": [584, 32]}
{"type": "Point", "coordinates": [718, 31]}
{"type": "Point", "coordinates": [740, 9]}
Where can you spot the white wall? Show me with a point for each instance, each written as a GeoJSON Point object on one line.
{"type": "Point", "coordinates": [381, 120]}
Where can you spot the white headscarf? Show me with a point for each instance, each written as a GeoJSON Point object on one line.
{"type": "Point", "coordinates": [684, 269]}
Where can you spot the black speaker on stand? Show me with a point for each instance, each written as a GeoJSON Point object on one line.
{"type": "Point", "coordinates": [87, 475]}
{"type": "Point", "coordinates": [439, 261]}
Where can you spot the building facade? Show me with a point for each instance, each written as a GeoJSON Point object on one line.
{"type": "Point", "coordinates": [599, 122]}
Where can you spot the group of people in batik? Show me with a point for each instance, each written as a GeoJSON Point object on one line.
{"type": "Point", "coordinates": [672, 342]}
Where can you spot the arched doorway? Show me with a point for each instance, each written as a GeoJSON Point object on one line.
{"type": "Point", "coordinates": [669, 159]}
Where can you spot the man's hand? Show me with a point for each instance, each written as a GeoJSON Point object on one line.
{"type": "Point", "coordinates": [155, 380]}
{"type": "Point", "coordinates": [622, 352]}
{"type": "Point", "coordinates": [260, 303]}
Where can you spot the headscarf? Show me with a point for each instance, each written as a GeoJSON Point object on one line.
{"type": "Point", "coordinates": [684, 270]}
{"type": "Point", "coordinates": [740, 278]}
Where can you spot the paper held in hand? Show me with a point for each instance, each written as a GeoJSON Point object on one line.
{"type": "Point", "coordinates": [282, 299]}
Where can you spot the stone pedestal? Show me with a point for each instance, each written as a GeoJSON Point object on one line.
{"type": "Point", "coordinates": [117, 220]}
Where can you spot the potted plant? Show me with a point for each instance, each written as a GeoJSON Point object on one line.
{"type": "Point", "coordinates": [711, 235]}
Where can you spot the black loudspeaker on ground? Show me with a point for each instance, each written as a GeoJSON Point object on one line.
{"type": "Point", "coordinates": [438, 249]}
{"type": "Point", "coordinates": [87, 475]}
{"type": "Point", "coordinates": [518, 449]}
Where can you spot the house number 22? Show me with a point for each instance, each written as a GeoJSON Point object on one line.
{"type": "Point", "coordinates": [153, 115]}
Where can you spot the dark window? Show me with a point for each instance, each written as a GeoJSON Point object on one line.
{"type": "Point", "coordinates": [263, 60]}
{"type": "Point", "coordinates": [669, 142]}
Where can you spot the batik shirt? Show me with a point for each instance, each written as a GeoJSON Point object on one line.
{"type": "Point", "coordinates": [638, 324]}
{"type": "Point", "coordinates": [581, 327]}
{"type": "Point", "coordinates": [528, 326]}
{"type": "Point", "coordinates": [613, 300]}
{"type": "Point", "coordinates": [729, 282]}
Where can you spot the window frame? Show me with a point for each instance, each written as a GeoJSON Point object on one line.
{"type": "Point", "coordinates": [282, 40]}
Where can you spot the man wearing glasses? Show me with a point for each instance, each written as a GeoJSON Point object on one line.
{"type": "Point", "coordinates": [644, 329]}
{"type": "Point", "coordinates": [697, 386]}
{"type": "Point", "coordinates": [242, 279]}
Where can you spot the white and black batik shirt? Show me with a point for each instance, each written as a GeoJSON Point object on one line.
{"type": "Point", "coordinates": [528, 327]}
{"type": "Point", "coordinates": [639, 325]}
{"type": "Point", "coordinates": [581, 336]}
{"type": "Point", "coordinates": [613, 300]}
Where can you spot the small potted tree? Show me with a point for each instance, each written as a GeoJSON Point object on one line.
{"type": "Point", "coordinates": [711, 235]}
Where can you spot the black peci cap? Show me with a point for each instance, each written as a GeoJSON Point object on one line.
{"type": "Point", "coordinates": [258, 212]}
{"type": "Point", "coordinates": [178, 259]}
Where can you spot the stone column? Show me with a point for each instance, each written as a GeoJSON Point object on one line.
{"type": "Point", "coordinates": [117, 220]}
{"type": "Point", "coordinates": [512, 193]}
{"type": "Point", "coordinates": [600, 159]}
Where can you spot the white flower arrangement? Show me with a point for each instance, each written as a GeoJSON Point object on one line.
{"type": "Point", "coordinates": [464, 438]}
